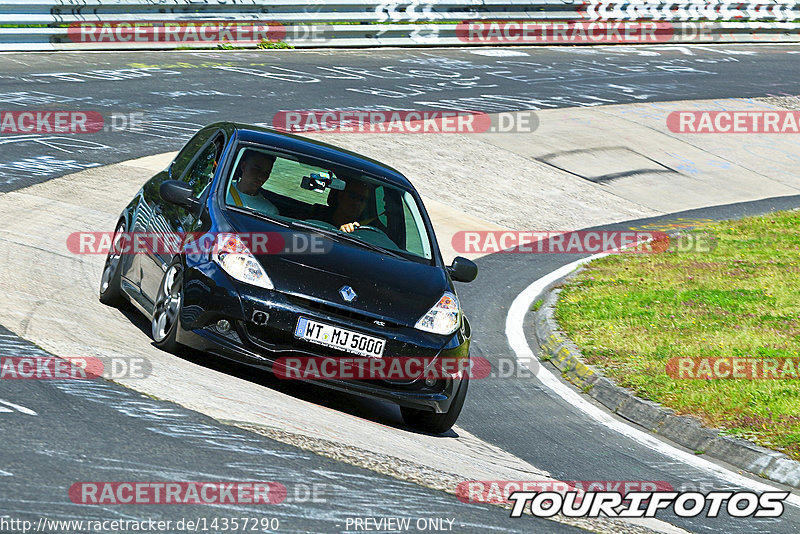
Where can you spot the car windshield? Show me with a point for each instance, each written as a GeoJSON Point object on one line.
{"type": "Point", "coordinates": [355, 206]}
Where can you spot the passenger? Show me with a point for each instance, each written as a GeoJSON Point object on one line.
{"type": "Point", "coordinates": [251, 174]}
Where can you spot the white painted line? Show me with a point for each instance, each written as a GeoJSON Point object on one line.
{"type": "Point", "coordinates": [499, 52]}
{"type": "Point", "coordinates": [17, 407]}
{"type": "Point", "coordinates": [516, 338]}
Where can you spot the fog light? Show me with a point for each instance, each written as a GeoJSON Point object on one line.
{"type": "Point", "coordinates": [223, 325]}
{"type": "Point", "coordinates": [430, 381]}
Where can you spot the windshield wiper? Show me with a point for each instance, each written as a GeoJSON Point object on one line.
{"type": "Point", "coordinates": [345, 237]}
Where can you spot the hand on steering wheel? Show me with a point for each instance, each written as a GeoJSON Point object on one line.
{"type": "Point", "coordinates": [353, 226]}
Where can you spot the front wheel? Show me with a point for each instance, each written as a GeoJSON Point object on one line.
{"type": "Point", "coordinates": [111, 280]}
{"type": "Point", "coordinates": [436, 423]}
{"type": "Point", "coordinates": [167, 310]}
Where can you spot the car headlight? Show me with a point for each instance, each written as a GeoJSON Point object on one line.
{"type": "Point", "coordinates": [443, 318]}
{"type": "Point", "coordinates": [236, 259]}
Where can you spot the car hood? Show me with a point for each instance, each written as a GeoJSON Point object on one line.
{"type": "Point", "coordinates": [395, 289]}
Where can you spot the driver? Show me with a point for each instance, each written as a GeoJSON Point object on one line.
{"type": "Point", "coordinates": [245, 190]}
{"type": "Point", "coordinates": [347, 206]}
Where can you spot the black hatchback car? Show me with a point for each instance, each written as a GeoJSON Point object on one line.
{"type": "Point", "coordinates": [316, 254]}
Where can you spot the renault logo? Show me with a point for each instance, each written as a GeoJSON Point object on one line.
{"type": "Point", "coordinates": [347, 293]}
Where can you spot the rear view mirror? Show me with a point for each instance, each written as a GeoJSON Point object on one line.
{"type": "Point", "coordinates": [180, 194]}
{"type": "Point", "coordinates": [316, 182]}
{"type": "Point", "coordinates": [463, 270]}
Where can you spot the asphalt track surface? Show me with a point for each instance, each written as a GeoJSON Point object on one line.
{"type": "Point", "coordinates": [174, 93]}
{"type": "Point", "coordinates": [97, 431]}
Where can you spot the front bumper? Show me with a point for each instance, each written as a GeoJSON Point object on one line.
{"type": "Point", "coordinates": [210, 295]}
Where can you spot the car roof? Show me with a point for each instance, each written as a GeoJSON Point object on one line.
{"type": "Point", "coordinates": [317, 149]}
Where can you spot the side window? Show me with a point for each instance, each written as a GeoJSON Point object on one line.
{"type": "Point", "coordinates": [413, 240]}
{"type": "Point", "coordinates": [416, 237]}
{"type": "Point", "coordinates": [186, 154]}
{"type": "Point", "coordinates": [202, 170]}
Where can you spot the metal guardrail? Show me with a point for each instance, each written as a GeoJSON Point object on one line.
{"type": "Point", "coordinates": [56, 24]}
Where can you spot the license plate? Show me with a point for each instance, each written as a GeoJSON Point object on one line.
{"type": "Point", "coordinates": [339, 338]}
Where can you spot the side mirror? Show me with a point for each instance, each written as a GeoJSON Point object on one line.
{"type": "Point", "coordinates": [463, 270]}
{"type": "Point", "coordinates": [180, 194]}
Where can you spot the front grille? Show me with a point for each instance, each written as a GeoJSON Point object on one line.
{"type": "Point", "coordinates": [341, 312]}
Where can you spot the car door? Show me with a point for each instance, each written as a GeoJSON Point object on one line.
{"type": "Point", "coordinates": [195, 164]}
{"type": "Point", "coordinates": [132, 269]}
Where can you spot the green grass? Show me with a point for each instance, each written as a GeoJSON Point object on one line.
{"type": "Point", "coordinates": [273, 45]}
{"type": "Point", "coordinates": [262, 45]}
{"type": "Point", "coordinates": [631, 313]}
{"type": "Point", "coordinates": [228, 46]}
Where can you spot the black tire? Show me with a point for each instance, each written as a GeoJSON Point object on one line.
{"type": "Point", "coordinates": [167, 310]}
{"type": "Point", "coordinates": [436, 423]}
{"type": "Point", "coordinates": [111, 279]}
